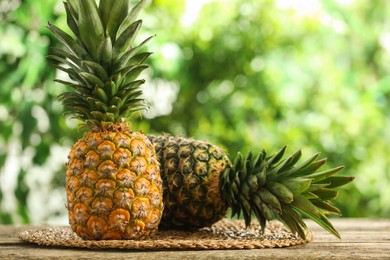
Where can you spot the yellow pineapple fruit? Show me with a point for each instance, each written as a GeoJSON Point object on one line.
{"type": "Point", "coordinates": [113, 183]}
{"type": "Point", "coordinates": [201, 184]}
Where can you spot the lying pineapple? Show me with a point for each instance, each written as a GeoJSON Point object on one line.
{"type": "Point", "coordinates": [113, 183]}
{"type": "Point", "coordinates": [200, 184]}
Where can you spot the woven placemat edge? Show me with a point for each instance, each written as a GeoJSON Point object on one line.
{"type": "Point", "coordinates": [37, 236]}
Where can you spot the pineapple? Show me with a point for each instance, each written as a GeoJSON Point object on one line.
{"type": "Point", "coordinates": [113, 182]}
{"type": "Point", "coordinates": [200, 184]}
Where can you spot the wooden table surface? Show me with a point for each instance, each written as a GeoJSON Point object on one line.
{"type": "Point", "coordinates": [361, 239]}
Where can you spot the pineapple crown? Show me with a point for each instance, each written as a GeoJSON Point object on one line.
{"type": "Point", "coordinates": [270, 188]}
{"type": "Point", "coordinates": [101, 61]}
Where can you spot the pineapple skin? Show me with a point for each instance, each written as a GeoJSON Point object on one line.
{"type": "Point", "coordinates": [190, 170]}
{"type": "Point", "coordinates": [200, 183]}
{"type": "Point", "coordinates": [113, 186]}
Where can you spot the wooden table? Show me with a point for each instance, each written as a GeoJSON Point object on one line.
{"type": "Point", "coordinates": [361, 239]}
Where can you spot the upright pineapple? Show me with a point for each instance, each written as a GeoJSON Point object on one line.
{"type": "Point", "coordinates": [200, 184]}
{"type": "Point", "coordinates": [113, 183]}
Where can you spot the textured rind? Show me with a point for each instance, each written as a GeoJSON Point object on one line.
{"type": "Point", "coordinates": [113, 185]}
{"type": "Point", "coordinates": [190, 171]}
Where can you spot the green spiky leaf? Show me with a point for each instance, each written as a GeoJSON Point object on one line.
{"type": "Point", "coordinates": [125, 40]}
{"type": "Point", "coordinates": [131, 16]}
{"type": "Point", "coordinates": [101, 60]}
{"type": "Point", "coordinates": [283, 189]}
{"type": "Point", "coordinates": [96, 69]}
{"type": "Point", "coordinates": [71, 18]}
{"type": "Point", "coordinates": [113, 13]}
{"type": "Point", "coordinates": [90, 26]}
{"type": "Point", "coordinates": [336, 181]}
{"type": "Point", "coordinates": [69, 42]}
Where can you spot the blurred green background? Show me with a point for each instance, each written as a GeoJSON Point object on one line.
{"type": "Point", "coordinates": [253, 74]}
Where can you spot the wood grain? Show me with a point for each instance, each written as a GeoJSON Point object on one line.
{"type": "Point", "coordinates": [361, 239]}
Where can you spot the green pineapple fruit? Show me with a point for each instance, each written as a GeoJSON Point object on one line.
{"type": "Point", "coordinates": [200, 184]}
{"type": "Point", "coordinates": [113, 182]}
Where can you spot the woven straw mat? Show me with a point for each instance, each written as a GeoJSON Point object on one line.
{"type": "Point", "coordinates": [226, 234]}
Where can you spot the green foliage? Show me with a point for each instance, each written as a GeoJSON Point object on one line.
{"type": "Point", "coordinates": [276, 187]}
{"type": "Point", "coordinates": [246, 75]}
{"type": "Point", "coordinates": [263, 74]}
{"type": "Point", "coordinates": [31, 125]}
